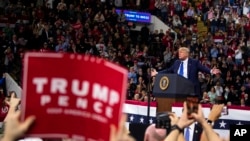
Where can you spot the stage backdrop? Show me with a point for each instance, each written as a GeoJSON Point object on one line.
{"type": "Point", "coordinates": [137, 113]}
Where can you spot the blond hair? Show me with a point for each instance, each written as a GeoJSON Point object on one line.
{"type": "Point", "coordinates": [184, 49]}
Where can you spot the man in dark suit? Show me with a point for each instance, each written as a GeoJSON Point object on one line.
{"type": "Point", "coordinates": [188, 68]}
{"type": "Point", "coordinates": [195, 131]}
{"type": "Point", "coordinates": [46, 33]}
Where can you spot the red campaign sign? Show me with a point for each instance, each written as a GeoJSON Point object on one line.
{"type": "Point", "coordinates": [72, 96]}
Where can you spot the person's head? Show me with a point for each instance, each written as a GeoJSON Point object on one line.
{"type": "Point", "coordinates": [245, 96]}
{"type": "Point", "coordinates": [136, 96]}
{"type": "Point", "coordinates": [227, 89]}
{"type": "Point", "coordinates": [243, 88]}
{"type": "Point", "coordinates": [218, 84]}
{"type": "Point", "coordinates": [205, 95]}
{"type": "Point", "coordinates": [140, 79]}
{"type": "Point", "coordinates": [140, 72]}
{"type": "Point", "coordinates": [145, 98]}
{"type": "Point", "coordinates": [9, 95]}
{"type": "Point", "coordinates": [144, 92]}
{"type": "Point", "coordinates": [212, 89]}
{"type": "Point", "coordinates": [183, 53]}
{"type": "Point", "coordinates": [242, 102]}
{"type": "Point", "coordinates": [154, 134]}
{"type": "Point", "coordinates": [131, 69]}
{"type": "Point", "coordinates": [45, 44]}
{"type": "Point", "coordinates": [51, 39]}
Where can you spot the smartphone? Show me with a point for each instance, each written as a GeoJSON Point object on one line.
{"type": "Point", "coordinates": [192, 104]}
{"type": "Point", "coordinates": [163, 121]}
{"type": "Point", "coordinates": [224, 111]}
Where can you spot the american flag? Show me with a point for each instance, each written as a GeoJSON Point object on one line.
{"type": "Point", "coordinates": [137, 112]}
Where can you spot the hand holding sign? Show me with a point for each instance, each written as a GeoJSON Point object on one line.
{"type": "Point", "coordinates": [13, 102]}
{"type": "Point", "coordinates": [15, 129]}
{"type": "Point", "coordinates": [73, 102]}
{"type": "Point", "coordinates": [120, 133]}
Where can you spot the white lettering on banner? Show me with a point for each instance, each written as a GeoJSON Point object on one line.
{"type": "Point", "coordinates": [109, 112]}
{"type": "Point", "coordinates": [75, 112]}
{"type": "Point", "coordinates": [99, 118]}
{"type": "Point", "coordinates": [130, 16]}
{"type": "Point", "coordinates": [97, 107]}
{"type": "Point", "coordinates": [58, 85]}
{"type": "Point", "coordinates": [81, 103]}
{"type": "Point", "coordinates": [84, 88]}
{"type": "Point", "coordinates": [45, 99]}
{"type": "Point", "coordinates": [101, 94]}
{"type": "Point", "coordinates": [54, 110]}
{"type": "Point", "coordinates": [114, 97]}
{"type": "Point", "coordinates": [40, 82]}
{"type": "Point", "coordinates": [63, 101]}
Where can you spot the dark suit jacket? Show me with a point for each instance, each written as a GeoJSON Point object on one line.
{"type": "Point", "coordinates": [44, 37]}
{"type": "Point", "coordinates": [197, 132]}
{"type": "Point", "coordinates": [194, 66]}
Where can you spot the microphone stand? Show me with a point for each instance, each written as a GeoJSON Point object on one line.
{"type": "Point", "coordinates": [148, 107]}
{"type": "Point", "coordinates": [148, 94]}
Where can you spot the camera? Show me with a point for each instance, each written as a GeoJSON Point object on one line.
{"type": "Point", "coordinates": [224, 111]}
{"type": "Point", "coordinates": [192, 104]}
{"type": "Point", "coordinates": [163, 121]}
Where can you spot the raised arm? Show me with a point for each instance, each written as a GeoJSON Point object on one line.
{"type": "Point", "coordinates": [177, 128]}
{"type": "Point", "coordinates": [13, 127]}
{"type": "Point", "coordinates": [212, 117]}
{"type": "Point", "coordinates": [207, 129]}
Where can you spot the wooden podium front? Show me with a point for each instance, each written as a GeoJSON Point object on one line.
{"type": "Point", "coordinates": [170, 89]}
{"type": "Point", "coordinates": [165, 104]}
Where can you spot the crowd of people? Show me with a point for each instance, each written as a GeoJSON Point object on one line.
{"type": "Point", "coordinates": [94, 28]}
{"type": "Point", "coordinates": [14, 129]}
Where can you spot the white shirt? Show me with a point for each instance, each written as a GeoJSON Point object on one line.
{"type": "Point", "coordinates": [118, 3]}
{"type": "Point", "coordinates": [185, 68]}
{"type": "Point", "coordinates": [218, 90]}
{"type": "Point", "coordinates": [191, 131]}
{"type": "Point", "coordinates": [238, 54]}
{"type": "Point", "coordinates": [31, 139]}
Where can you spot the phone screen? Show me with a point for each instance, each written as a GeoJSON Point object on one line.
{"type": "Point", "coordinates": [192, 105]}
{"type": "Point", "coordinates": [224, 111]}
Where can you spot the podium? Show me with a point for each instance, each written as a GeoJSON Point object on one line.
{"type": "Point", "coordinates": [169, 89]}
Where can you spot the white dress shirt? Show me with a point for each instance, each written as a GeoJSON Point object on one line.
{"type": "Point", "coordinates": [191, 131]}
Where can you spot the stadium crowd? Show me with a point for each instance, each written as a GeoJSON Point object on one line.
{"type": "Point", "coordinates": [93, 27]}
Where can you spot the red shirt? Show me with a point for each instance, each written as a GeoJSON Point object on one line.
{"type": "Point", "coordinates": [3, 112]}
{"type": "Point", "coordinates": [184, 3]}
{"type": "Point", "coordinates": [230, 52]}
{"type": "Point", "coordinates": [151, 5]}
{"type": "Point", "coordinates": [4, 108]}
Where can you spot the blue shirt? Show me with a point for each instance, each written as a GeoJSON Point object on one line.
{"type": "Point", "coordinates": [2, 80]}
